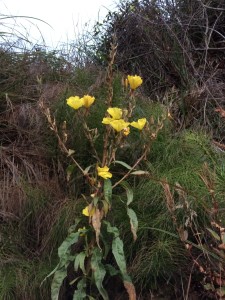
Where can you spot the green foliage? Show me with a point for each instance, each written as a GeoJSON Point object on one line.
{"type": "Point", "coordinates": [21, 277]}
{"type": "Point", "coordinates": [28, 245]}
{"type": "Point", "coordinates": [159, 254]}
{"type": "Point", "coordinates": [90, 259]}
{"type": "Point", "coordinates": [181, 167]}
{"type": "Point", "coordinates": [99, 272]}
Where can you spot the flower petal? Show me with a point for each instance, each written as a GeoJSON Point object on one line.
{"type": "Point", "coordinates": [75, 102]}
{"type": "Point", "coordinates": [104, 172]}
{"type": "Point", "coordinates": [139, 124]}
{"type": "Point", "coordinates": [107, 121]}
{"type": "Point", "coordinates": [115, 112]}
{"type": "Point", "coordinates": [119, 125]}
{"type": "Point", "coordinates": [134, 81]}
{"type": "Point", "coordinates": [88, 100]}
{"type": "Point", "coordinates": [85, 211]}
{"type": "Point", "coordinates": [88, 211]}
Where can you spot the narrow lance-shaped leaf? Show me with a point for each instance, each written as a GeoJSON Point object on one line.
{"type": "Point", "coordinates": [98, 272]}
{"type": "Point", "coordinates": [133, 222]}
{"type": "Point", "coordinates": [63, 249]}
{"type": "Point", "coordinates": [79, 262]}
{"type": "Point", "coordinates": [57, 281]}
{"type": "Point", "coordinates": [129, 191]}
{"type": "Point", "coordinates": [140, 172]}
{"type": "Point", "coordinates": [123, 164]}
{"type": "Point", "coordinates": [108, 190]}
{"type": "Point", "coordinates": [71, 239]}
{"type": "Point", "coordinates": [214, 234]}
{"type": "Point", "coordinates": [105, 207]}
{"type": "Point", "coordinates": [117, 250]}
{"type": "Point", "coordinates": [96, 223]}
{"type": "Point", "coordinates": [107, 246]}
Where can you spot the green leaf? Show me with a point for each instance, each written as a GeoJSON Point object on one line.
{"type": "Point", "coordinates": [133, 222]}
{"type": "Point", "coordinates": [71, 239]}
{"type": "Point", "coordinates": [74, 226]}
{"type": "Point", "coordinates": [57, 281]}
{"type": "Point", "coordinates": [62, 250]}
{"type": "Point", "coordinates": [106, 206]}
{"type": "Point", "coordinates": [79, 262]}
{"type": "Point", "coordinates": [95, 201]}
{"type": "Point", "coordinates": [69, 171]}
{"type": "Point", "coordinates": [214, 234]}
{"type": "Point", "coordinates": [112, 229]}
{"type": "Point", "coordinates": [80, 293]}
{"type": "Point", "coordinates": [123, 164]}
{"type": "Point", "coordinates": [111, 270]}
{"type": "Point", "coordinates": [98, 272]}
{"type": "Point", "coordinates": [107, 246]}
{"type": "Point", "coordinates": [140, 172]}
{"type": "Point", "coordinates": [108, 190]}
{"type": "Point", "coordinates": [129, 191]}
{"type": "Point", "coordinates": [117, 250]}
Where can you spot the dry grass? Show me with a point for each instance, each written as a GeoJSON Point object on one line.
{"type": "Point", "coordinates": [173, 45]}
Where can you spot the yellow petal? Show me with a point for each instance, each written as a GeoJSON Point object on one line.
{"type": "Point", "coordinates": [107, 121]}
{"type": "Point", "coordinates": [75, 102]}
{"type": "Point", "coordinates": [115, 112]}
{"type": "Point", "coordinates": [119, 125]}
{"type": "Point", "coordinates": [85, 211]}
{"type": "Point", "coordinates": [104, 172]}
{"type": "Point", "coordinates": [139, 124]}
{"type": "Point", "coordinates": [134, 81]}
{"type": "Point", "coordinates": [88, 211]}
{"type": "Point", "coordinates": [88, 100]}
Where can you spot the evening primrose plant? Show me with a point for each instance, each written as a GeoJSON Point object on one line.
{"type": "Point", "coordinates": [96, 236]}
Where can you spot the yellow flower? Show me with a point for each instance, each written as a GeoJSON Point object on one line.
{"type": "Point", "coordinates": [126, 131]}
{"type": "Point", "coordinates": [139, 124]}
{"type": "Point", "coordinates": [75, 102]}
{"type": "Point", "coordinates": [107, 121]}
{"type": "Point", "coordinates": [88, 100]}
{"type": "Point", "coordinates": [88, 211]}
{"type": "Point", "coordinates": [119, 125]}
{"type": "Point", "coordinates": [134, 81]}
{"type": "Point", "coordinates": [104, 172]}
{"type": "Point", "coordinates": [115, 112]}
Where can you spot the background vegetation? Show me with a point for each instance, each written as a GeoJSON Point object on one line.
{"type": "Point", "coordinates": [178, 49]}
